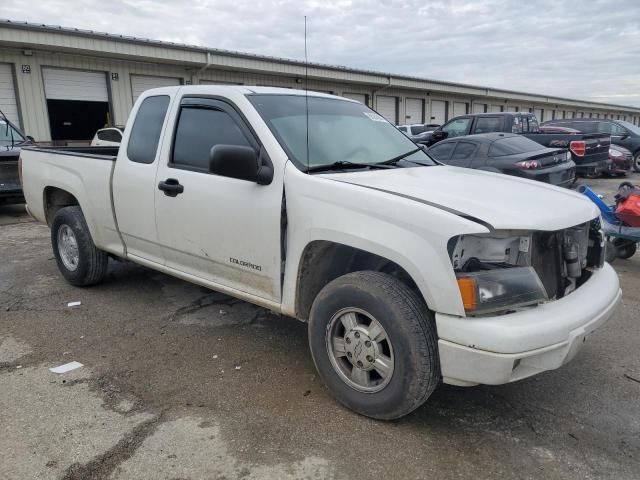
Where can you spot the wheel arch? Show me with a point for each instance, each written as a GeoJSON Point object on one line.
{"type": "Point", "coordinates": [323, 261]}
{"type": "Point", "coordinates": [55, 198]}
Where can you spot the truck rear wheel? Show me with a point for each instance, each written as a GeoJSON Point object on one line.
{"type": "Point", "coordinates": [78, 259]}
{"type": "Point", "coordinates": [374, 344]}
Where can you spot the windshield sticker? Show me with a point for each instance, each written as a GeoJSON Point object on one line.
{"type": "Point", "coordinates": [375, 117]}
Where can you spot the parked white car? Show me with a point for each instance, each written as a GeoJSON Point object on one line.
{"type": "Point", "coordinates": [409, 273]}
{"type": "Point", "coordinates": [111, 136]}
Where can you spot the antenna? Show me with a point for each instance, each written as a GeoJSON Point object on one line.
{"type": "Point", "coordinates": [306, 87]}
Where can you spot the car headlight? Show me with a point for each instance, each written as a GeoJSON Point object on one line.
{"type": "Point", "coordinates": [494, 271]}
{"type": "Point", "coordinates": [615, 153]}
{"type": "Point", "coordinates": [500, 289]}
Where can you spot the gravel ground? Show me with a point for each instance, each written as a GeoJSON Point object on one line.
{"type": "Point", "coordinates": [183, 383]}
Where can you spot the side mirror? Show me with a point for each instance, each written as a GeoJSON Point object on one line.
{"type": "Point", "coordinates": [438, 135]}
{"type": "Point", "coordinates": [31, 139]}
{"type": "Point", "coordinates": [239, 162]}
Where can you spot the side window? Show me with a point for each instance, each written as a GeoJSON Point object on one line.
{"type": "Point", "coordinates": [462, 154]}
{"type": "Point", "coordinates": [618, 130]}
{"type": "Point", "coordinates": [199, 130]}
{"type": "Point", "coordinates": [488, 124]}
{"type": "Point", "coordinates": [604, 127]}
{"type": "Point", "coordinates": [442, 151]}
{"type": "Point", "coordinates": [145, 133]}
{"type": "Point", "coordinates": [458, 127]}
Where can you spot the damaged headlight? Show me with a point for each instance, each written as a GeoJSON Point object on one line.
{"type": "Point", "coordinates": [500, 289]}
{"type": "Point", "coordinates": [494, 271]}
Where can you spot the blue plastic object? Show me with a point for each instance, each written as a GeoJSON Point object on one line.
{"type": "Point", "coordinates": [608, 213]}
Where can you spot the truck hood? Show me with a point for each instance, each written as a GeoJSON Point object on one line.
{"type": "Point", "coordinates": [496, 200]}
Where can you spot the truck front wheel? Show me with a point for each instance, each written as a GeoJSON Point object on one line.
{"type": "Point", "coordinates": [79, 261]}
{"type": "Point", "coordinates": [374, 344]}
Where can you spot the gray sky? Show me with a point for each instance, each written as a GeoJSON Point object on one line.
{"type": "Point", "coordinates": [578, 49]}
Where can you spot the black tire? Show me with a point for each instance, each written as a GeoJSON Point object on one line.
{"type": "Point", "coordinates": [411, 331]}
{"type": "Point", "coordinates": [636, 161]}
{"type": "Point", "coordinates": [625, 249]}
{"type": "Point", "coordinates": [91, 262]}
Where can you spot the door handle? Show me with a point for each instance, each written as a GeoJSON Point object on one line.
{"type": "Point", "coordinates": [171, 187]}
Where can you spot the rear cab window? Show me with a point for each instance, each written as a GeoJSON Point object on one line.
{"type": "Point", "coordinates": [146, 130]}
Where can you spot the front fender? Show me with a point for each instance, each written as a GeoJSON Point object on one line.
{"type": "Point", "coordinates": [409, 233]}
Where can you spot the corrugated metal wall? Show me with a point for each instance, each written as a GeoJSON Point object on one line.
{"type": "Point", "coordinates": [118, 73]}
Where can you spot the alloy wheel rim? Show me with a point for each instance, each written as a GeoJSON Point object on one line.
{"type": "Point", "coordinates": [360, 350]}
{"type": "Point", "coordinates": [68, 248]}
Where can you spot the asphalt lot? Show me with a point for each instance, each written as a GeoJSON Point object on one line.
{"type": "Point", "coordinates": [183, 383]}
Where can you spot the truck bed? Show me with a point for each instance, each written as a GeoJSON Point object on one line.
{"type": "Point", "coordinates": [84, 172]}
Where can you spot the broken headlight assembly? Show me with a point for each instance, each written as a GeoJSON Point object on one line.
{"type": "Point", "coordinates": [494, 272]}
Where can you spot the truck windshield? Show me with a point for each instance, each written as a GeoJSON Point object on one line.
{"type": "Point", "coordinates": [7, 132]}
{"type": "Point", "coordinates": [339, 131]}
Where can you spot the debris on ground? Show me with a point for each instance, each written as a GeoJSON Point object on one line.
{"type": "Point", "coordinates": [74, 304]}
{"type": "Point", "coordinates": [67, 367]}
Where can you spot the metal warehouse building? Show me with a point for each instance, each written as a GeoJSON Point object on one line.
{"type": "Point", "coordinates": [63, 84]}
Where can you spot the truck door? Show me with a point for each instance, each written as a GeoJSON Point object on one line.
{"type": "Point", "coordinates": [223, 230]}
{"type": "Point", "coordinates": [134, 185]}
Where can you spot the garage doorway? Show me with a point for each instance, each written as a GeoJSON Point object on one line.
{"type": "Point", "coordinates": [388, 108]}
{"type": "Point", "coordinates": [459, 108]}
{"type": "Point", "coordinates": [77, 103]}
{"type": "Point", "coordinates": [438, 111]}
{"type": "Point", "coordinates": [414, 108]}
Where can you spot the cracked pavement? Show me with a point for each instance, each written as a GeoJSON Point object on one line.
{"type": "Point", "coordinates": [183, 383]}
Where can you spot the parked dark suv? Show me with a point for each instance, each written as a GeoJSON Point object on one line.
{"type": "Point", "coordinates": [622, 133]}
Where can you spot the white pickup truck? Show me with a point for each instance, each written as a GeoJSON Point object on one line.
{"type": "Point", "coordinates": [409, 273]}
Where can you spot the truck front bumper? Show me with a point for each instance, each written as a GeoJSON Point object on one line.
{"type": "Point", "coordinates": [506, 348]}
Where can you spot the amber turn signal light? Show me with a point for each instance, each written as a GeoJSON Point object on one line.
{"type": "Point", "coordinates": [468, 292]}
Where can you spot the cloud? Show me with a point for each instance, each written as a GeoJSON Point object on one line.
{"type": "Point", "coordinates": [586, 50]}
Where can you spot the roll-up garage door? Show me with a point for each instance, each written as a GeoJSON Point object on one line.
{"type": "Point", "coordinates": [459, 108]}
{"type": "Point", "coordinates": [62, 84]}
{"type": "Point", "coordinates": [359, 97]}
{"type": "Point", "coordinates": [140, 83]}
{"type": "Point", "coordinates": [495, 108]}
{"type": "Point", "coordinates": [77, 103]}
{"type": "Point", "coordinates": [8, 103]}
{"type": "Point", "coordinates": [511, 108]}
{"type": "Point", "coordinates": [538, 113]}
{"type": "Point", "coordinates": [387, 107]}
{"type": "Point", "coordinates": [413, 110]}
{"type": "Point", "coordinates": [478, 107]}
{"type": "Point", "coordinates": [438, 111]}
